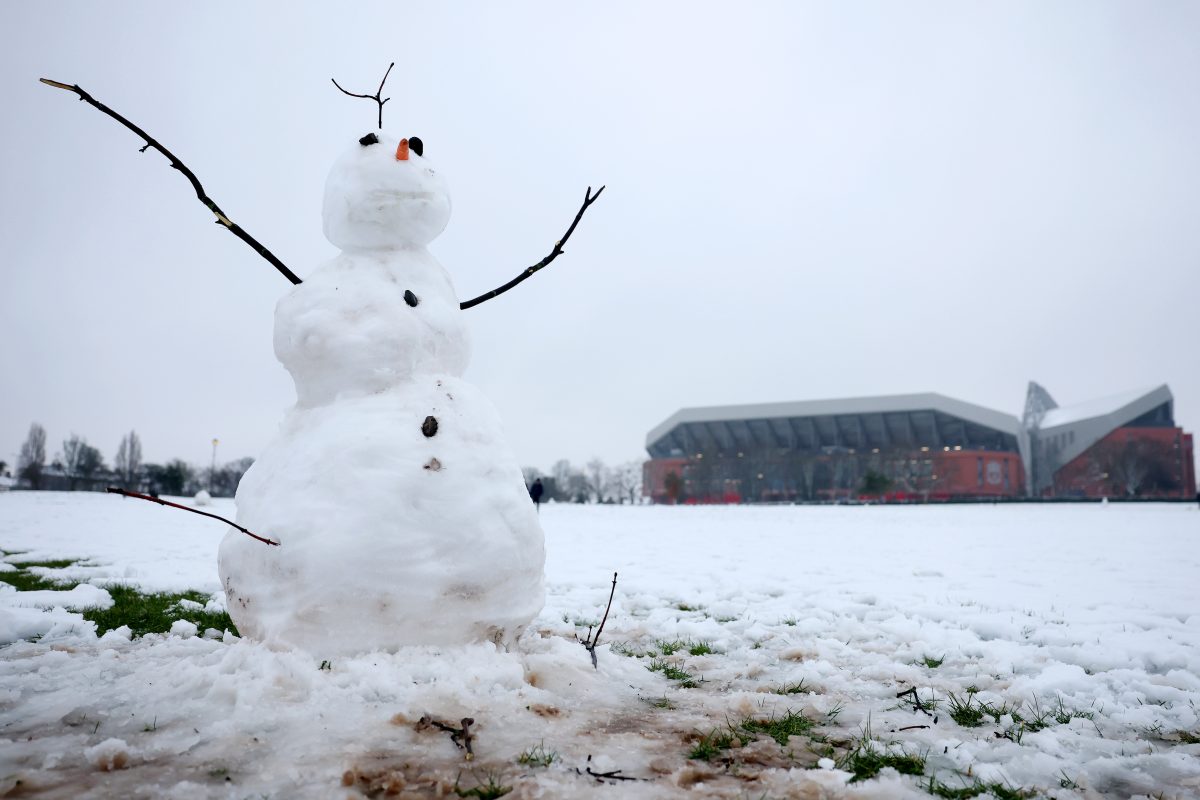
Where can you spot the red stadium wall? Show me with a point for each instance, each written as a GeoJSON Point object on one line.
{"type": "Point", "coordinates": [932, 477]}
{"type": "Point", "coordinates": [654, 477]}
{"type": "Point", "coordinates": [974, 473]}
{"type": "Point", "coordinates": [1132, 462]}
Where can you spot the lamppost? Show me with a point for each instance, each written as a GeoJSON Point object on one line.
{"type": "Point", "coordinates": [213, 470]}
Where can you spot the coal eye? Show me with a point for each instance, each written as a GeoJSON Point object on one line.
{"type": "Point", "coordinates": [416, 145]}
{"type": "Point", "coordinates": [370, 139]}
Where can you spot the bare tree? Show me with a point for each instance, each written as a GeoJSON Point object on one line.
{"type": "Point", "coordinates": [627, 480]}
{"type": "Point", "coordinates": [79, 460]}
{"type": "Point", "coordinates": [227, 478]}
{"type": "Point", "coordinates": [32, 460]}
{"type": "Point", "coordinates": [1134, 465]}
{"type": "Point", "coordinates": [597, 476]}
{"type": "Point", "coordinates": [129, 460]}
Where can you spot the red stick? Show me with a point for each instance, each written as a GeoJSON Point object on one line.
{"type": "Point", "coordinates": [123, 493]}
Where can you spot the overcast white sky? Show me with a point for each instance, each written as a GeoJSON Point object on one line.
{"type": "Point", "coordinates": [804, 201]}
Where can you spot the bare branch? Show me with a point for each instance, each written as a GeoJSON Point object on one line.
{"type": "Point", "coordinates": [124, 493]}
{"type": "Point", "coordinates": [222, 218]}
{"type": "Point", "coordinates": [588, 199]}
{"type": "Point", "coordinates": [591, 641]}
{"type": "Point", "coordinates": [375, 97]}
{"type": "Point", "coordinates": [462, 737]}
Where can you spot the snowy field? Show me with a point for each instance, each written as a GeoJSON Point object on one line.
{"type": "Point", "coordinates": [1070, 634]}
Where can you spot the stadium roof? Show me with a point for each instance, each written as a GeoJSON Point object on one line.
{"type": "Point", "coordinates": [1122, 408]}
{"type": "Point", "coordinates": [876, 407]}
{"type": "Point", "coordinates": [1064, 433]}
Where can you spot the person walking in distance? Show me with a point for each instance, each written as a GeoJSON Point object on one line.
{"type": "Point", "coordinates": [535, 493]}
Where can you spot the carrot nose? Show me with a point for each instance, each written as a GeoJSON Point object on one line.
{"type": "Point", "coordinates": [402, 150]}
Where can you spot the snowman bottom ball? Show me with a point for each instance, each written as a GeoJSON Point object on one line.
{"type": "Point", "coordinates": [402, 520]}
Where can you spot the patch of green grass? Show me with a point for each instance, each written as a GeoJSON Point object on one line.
{"type": "Point", "coordinates": [711, 745]}
{"type": "Point", "coordinates": [1187, 737]}
{"type": "Point", "coordinates": [661, 702]}
{"type": "Point", "coordinates": [790, 621]}
{"type": "Point", "coordinates": [866, 761]}
{"type": "Point", "coordinates": [1063, 714]}
{"type": "Point", "coordinates": [485, 791]}
{"type": "Point", "coordinates": [780, 728]}
{"type": "Point", "coordinates": [968, 714]}
{"type": "Point", "coordinates": [684, 678]}
{"type": "Point", "coordinates": [997, 711]}
{"type": "Point", "coordinates": [701, 648]}
{"type": "Point", "coordinates": [868, 757]}
{"type": "Point", "coordinates": [25, 581]}
{"type": "Point", "coordinates": [931, 662]}
{"type": "Point", "coordinates": [28, 582]}
{"type": "Point", "coordinates": [153, 613]}
{"type": "Point", "coordinates": [723, 619]}
{"type": "Point", "coordinates": [537, 756]}
{"type": "Point", "coordinates": [59, 563]}
{"type": "Point", "coordinates": [688, 607]}
{"type": "Point", "coordinates": [625, 649]}
{"type": "Point", "coordinates": [670, 647]}
{"type": "Point", "coordinates": [799, 687]}
{"type": "Point", "coordinates": [1000, 791]}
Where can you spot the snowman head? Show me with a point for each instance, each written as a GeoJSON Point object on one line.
{"type": "Point", "coordinates": [382, 194]}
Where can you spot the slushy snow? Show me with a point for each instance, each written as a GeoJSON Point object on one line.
{"type": "Point", "coordinates": [401, 515]}
{"type": "Point", "coordinates": [1087, 611]}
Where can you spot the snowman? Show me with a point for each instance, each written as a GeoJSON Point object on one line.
{"type": "Point", "coordinates": [401, 516]}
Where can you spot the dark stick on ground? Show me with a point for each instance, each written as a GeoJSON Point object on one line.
{"type": "Point", "coordinates": [612, 775]}
{"type": "Point", "coordinates": [916, 700]}
{"type": "Point", "coordinates": [124, 493]}
{"type": "Point", "coordinates": [588, 199]}
{"type": "Point", "coordinates": [461, 737]}
{"type": "Point", "coordinates": [376, 96]}
{"type": "Point", "coordinates": [590, 642]}
{"type": "Point", "coordinates": [222, 218]}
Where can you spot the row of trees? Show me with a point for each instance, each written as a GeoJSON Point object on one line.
{"type": "Point", "coordinates": [79, 465]}
{"type": "Point", "coordinates": [595, 482]}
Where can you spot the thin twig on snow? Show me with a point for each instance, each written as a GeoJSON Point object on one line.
{"type": "Point", "coordinates": [590, 642]}
{"type": "Point", "coordinates": [462, 737]}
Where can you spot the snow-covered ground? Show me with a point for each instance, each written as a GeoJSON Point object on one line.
{"type": "Point", "coordinates": [1090, 613]}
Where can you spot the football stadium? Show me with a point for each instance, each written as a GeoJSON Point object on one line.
{"type": "Point", "coordinates": [922, 448]}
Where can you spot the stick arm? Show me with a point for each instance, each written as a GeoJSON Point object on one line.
{"type": "Point", "coordinates": [201, 195]}
{"type": "Point", "coordinates": [588, 199]}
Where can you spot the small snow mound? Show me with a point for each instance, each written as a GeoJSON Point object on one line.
{"type": "Point", "coordinates": [121, 634]}
{"type": "Point", "coordinates": [183, 628]}
{"type": "Point", "coordinates": [202, 498]}
{"type": "Point", "coordinates": [108, 755]}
